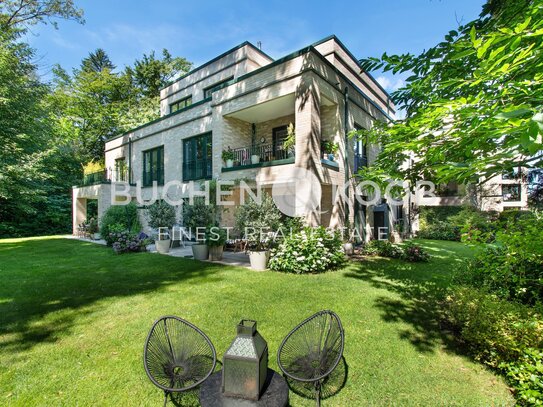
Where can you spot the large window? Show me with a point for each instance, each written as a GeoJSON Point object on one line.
{"type": "Point", "coordinates": [511, 192]}
{"type": "Point", "coordinates": [153, 166]}
{"type": "Point", "coordinates": [209, 90]}
{"type": "Point", "coordinates": [121, 170]}
{"type": "Point", "coordinates": [181, 104]}
{"type": "Point", "coordinates": [197, 157]}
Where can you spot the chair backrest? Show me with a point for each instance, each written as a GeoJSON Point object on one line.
{"type": "Point", "coordinates": [313, 349]}
{"type": "Point", "coordinates": [177, 355]}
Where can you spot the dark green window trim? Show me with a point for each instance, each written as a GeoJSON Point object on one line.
{"type": "Point", "coordinates": [181, 104]}
{"type": "Point", "coordinates": [153, 166]}
{"type": "Point", "coordinates": [197, 157]}
{"type": "Point", "coordinates": [210, 89]}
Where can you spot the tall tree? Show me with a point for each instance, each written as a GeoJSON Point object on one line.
{"type": "Point", "coordinates": [97, 61]}
{"type": "Point", "coordinates": [473, 102]}
{"type": "Point", "coordinates": [23, 13]}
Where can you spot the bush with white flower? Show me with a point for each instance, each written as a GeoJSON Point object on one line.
{"type": "Point", "coordinates": [312, 250]}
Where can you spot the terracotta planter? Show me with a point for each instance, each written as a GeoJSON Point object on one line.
{"type": "Point", "coordinates": [259, 260]}
{"type": "Point", "coordinates": [215, 253]}
{"type": "Point", "coordinates": [200, 251]}
{"type": "Point", "coordinates": [162, 246]}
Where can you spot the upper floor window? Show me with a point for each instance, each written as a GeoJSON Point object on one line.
{"type": "Point", "coordinates": [121, 170]}
{"type": "Point", "coordinates": [197, 157]}
{"type": "Point", "coordinates": [181, 104]}
{"type": "Point", "coordinates": [153, 166]}
{"type": "Point", "coordinates": [360, 152]}
{"type": "Point", "coordinates": [210, 89]}
{"type": "Point", "coordinates": [511, 192]}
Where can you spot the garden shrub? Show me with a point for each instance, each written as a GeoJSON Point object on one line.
{"type": "Point", "coordinates": [113, 231]}
{"type": "Point", "coordinates": [383, 248]}
{"type": "Point", "coordinates": [125, 215]}
{"type": "Point", "coordinates": [414, 253]}
{"type": "Point", "coordinates": [512, 268]}
{"type": "Point", "coordinates": [126, 242]}
{"type": "Point", "coordinates": [502, 334]}
{"type": "Point", "coordinates": [313, 250]}
{"type": "Point", "coordinates": [495, 330]}
{"type": "Point", "coordinates": [441, 231]}
{"type": "Point", "coordinates": [161, 214]}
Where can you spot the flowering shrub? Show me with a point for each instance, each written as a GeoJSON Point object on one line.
{"type": "Point", "coordinates": [312, 250]}
{"type": "Point", "coordinates": [383, 248]}
{"type": "Point", "coordinates": [125, 242]}
{"type": "Point", "coordinates": [414, 253]}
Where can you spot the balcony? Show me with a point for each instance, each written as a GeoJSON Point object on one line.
{"type": "Point", "coordinates": [105, 176]}
{"type": "Point", "coordinates": [263, 155]}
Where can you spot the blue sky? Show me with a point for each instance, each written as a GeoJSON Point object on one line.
{"type": "Point", "coordinates": [201, 30]}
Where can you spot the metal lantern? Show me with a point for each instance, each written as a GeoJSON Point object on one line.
{"type": "Point", "coordinates": [245, 363]}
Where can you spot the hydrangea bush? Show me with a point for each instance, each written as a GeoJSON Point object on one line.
{"type": "Point", "coordinates": [126, 242]}
{"type": "Point", "coordinates": [312, 250]}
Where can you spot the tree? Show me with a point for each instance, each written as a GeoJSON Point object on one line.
{"type": "Point", "coordinates": [23, 13]}
{"type": "Point", "coordinates": [97, 61]}
{"type": "Point", "coordinates": [473, 102]}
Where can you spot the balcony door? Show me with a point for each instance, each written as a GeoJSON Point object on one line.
{"type": "Point", "coordinates": [197, 157]}
{"type": "Point", "coordinates": [279, 136]}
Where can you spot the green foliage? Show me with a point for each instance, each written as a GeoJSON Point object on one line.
{"type": "Point", "coordinates": [313, 250]}
{"type": "Point", "coordinates": [227, 154]}
{"type": "Point", "coordinates": [383, 248]}
{"type": "Point", "coordinates": [495, 330]}
{"type": "Point", "coordinates": [414, 253]}
{"type": "Point", "coordinates": [290, 141]}
{"type": "Point", "coordinates": [254, 220]}
{"type": "Point", "coordinates": [19, 14]}
{"type": "Point", "coordinates": [199, 214]}
{"type": "Point", "coordinates": [473, 101]}
{"type": "Point", "coordinates": [125, 217]}
{"type": "Point", "coordinates": [526, 376]}
{"type": "Point", "coordinates": [215, 236]}
{"type": "Point", "coordinates": [93, 226]}
{"type": "Point", "coordinates": [97, 61]}
{"type": "Point", "coordinates": [512, 268]}
{"type": "Point", "coordinates": [441, 231]}
{"type": "Point", "coordinates": [126, 242]}
{"type": "Point", "coordinates": [161, 214]}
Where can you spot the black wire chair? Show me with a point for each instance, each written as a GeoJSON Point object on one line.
{"type": "Point", "coordinates": [177, 356]}
{"type": "Point", "coordinates": [312, 350]}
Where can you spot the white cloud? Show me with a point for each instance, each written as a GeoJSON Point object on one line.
{"type": "Point", "coordinates": [390, 84]}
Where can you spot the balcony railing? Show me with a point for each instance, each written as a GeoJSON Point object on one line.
{"type": "Point", "coordinates": [197, 169]}
{"type": "Point", "coordinates": [260, 154]}
{"type": "Point", "coordinates": [105, 176]}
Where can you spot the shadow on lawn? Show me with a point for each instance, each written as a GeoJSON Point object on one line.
{"type": "Point", "coordinates": [47, 284]}
{"type": "Point", "coordinates": [420, 287]}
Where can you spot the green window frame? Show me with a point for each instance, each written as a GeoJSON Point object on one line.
{"type": "Point", "coordinates": [197, 157]}
{"type": "Point", "coordinates": [210, 89]}
{"type": "Point", "coordinates": [181, 104]}
{"type": "Point", "coordinates": [153, 166]}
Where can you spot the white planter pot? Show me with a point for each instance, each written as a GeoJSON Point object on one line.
{"type": "Point", "coordinates": [259, 260]}
{"type": "Point", "coordinates": [229, 163]}
{"type": "Point", "coordinates": [200, 251]}
{"type": "Point", "coordinates": [331, 157]}
{"type": "Point", "coordinates": [96, 236]}
{"type": "Point", "coordinates": [348, 248]}
{"type": "Point", "coordinates": [162, 246]}
{"type": "Point", "coordinates": [215, 253]}
{"type": "Point", "coordinates": [255, 159]}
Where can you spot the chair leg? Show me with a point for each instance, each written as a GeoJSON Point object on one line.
{"type": "Point", "coordinates": [165, 398]}
{"type": "Point", "coordinates": [318, 393]}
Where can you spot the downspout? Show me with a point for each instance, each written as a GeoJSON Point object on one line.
{"type": "Point", "coordinates": [346, 129]}
{"type": "Point", "coordinates": [130, 159]}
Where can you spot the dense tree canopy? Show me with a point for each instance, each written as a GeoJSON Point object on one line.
{"type": "Point", "coordinates": [473, 102]}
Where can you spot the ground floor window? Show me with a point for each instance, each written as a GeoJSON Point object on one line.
{"type": "Point", "coordinates": [511, 192]}
{"type": "Point", "coordinates": [153, 166]}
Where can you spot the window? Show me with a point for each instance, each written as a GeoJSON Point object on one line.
{"type": "Point", "coordinates": [209, 90]}
{"type": "Point", "coordinates": [181, 104]}
{"type": "Point", "coordinates": [511, 192]}
{"type": "Point", "coordinates": [197, 157]}
{"type": "Point", "coordinates": [153, 166]}
{"type": "Point", "coordinates": [360, 152]}
{"type": "Point", "coordinates": [449, 189]}
{"type": "Point", "coordinates": [121, 170]}
{"type": "Point", "coordinates": [279, 135]}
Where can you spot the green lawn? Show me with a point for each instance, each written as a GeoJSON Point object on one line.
{"type": "Point", "coordinates": [74, 317]}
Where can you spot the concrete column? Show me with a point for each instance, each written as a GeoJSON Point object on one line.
{"type": "Point", "coordinates": [79, 210]}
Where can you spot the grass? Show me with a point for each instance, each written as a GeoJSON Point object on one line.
{"type": "Point", "coordinates": [74, 317]}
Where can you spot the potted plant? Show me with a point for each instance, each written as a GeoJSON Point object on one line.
{"type": "Point", "coordinates": [215, 240]}
{"type": "Point", "coordinates": [93, 229]}
{"type": "Point", "coordinates": [330, 149]}
{"type": "Point", "coordinates": [255, 221]}
{"type": "Point", "coordinates": [255, 159]}
{"type": "Point", "coordinates": [289, 144]}
{"type": "Point", "coordinates": [348, 246]}
{"type": "Point", "coordinates": [228, 157]}
{"type": "Point", "coordinates": [198, 217]}
{"type": "Point", "coordinates": [161, 216]}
